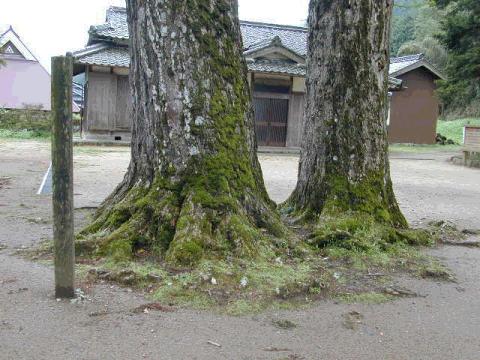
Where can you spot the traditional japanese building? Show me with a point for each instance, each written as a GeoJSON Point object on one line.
{"type": "Point", "coordinates": [414, 110]}
{"type": "Point", "coordinates": [24, 82]}
{"type": "Point", "coordinates": [275, 56]}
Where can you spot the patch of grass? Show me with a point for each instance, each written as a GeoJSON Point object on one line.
{"type": "Point", "coordinates": [364, 298]}
{"type": "Point", "coordinates": [422, 149]}
{"type": "Point", "coordinates": [453, 129]}
{"type": "Point", "coordinates": [433, 269]}
{"type": "Point", "coordinates": [365, 247]}
{"type": "Point", "coordinates": [98, 150]}
{"type": "Point", "coordinates": [24, 134]}
{"type": "Point", "coordinates": [351, 256]}
{"type": "Point", "coordinates": [284, 324]}
{"type": "Point", "coordinates": [237, 288]}
{"type": "Point", "coordinates": [29, 123]}
{"type": "Point", "coordinates": [243, 307]}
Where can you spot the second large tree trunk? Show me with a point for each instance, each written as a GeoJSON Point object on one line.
{"type": "Point", "coordinates": [344, 164]}
{"type": "Point", "coordinates": [194, 187]}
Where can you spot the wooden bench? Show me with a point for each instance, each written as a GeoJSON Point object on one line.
{"type": "Point", "coordinates": [471, 142]}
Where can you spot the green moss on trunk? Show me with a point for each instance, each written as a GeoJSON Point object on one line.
{"type": "Point", "coordinates": [344, 165]}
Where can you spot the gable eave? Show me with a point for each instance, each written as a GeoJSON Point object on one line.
{"type": "Point", "coordinates": [271, 49]}
{"type": "Point", "coordinates": [11, 36]}
{"type": "Point", "coordinates": [417, 65]}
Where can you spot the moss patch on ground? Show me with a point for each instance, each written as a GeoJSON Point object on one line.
{"type": "Point", "coordinates": [359, 268]}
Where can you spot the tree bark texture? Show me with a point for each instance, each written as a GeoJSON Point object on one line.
{"type": "Point", "coordinates": [194, 187]}
{"type": "Point", "coordinates": [344, 162]}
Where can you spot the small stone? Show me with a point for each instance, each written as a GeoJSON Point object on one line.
{"type": "Point", "coordinates": [194, 151]}
{"type": "Point", "coordinates": [199, 120]}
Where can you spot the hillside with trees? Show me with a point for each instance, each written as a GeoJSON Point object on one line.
{"type": "Point", "coordinates": [448, 33]}
{"type": "Point", "coordinates": [415, 29]}
{"type": "Point", "coordinates": [461, 36]}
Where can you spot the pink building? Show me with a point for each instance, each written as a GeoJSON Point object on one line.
{"type": "Point", "coordinates": [24, 82]}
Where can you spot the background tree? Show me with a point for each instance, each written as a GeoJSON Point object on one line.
{"type": "Point", "coordinates": [461, 36]}
{"type": "Point", "coordinates": [415, 28]}
{"type": "Point", "coordinates": [344, 167]}
{"type": "Point", "coordinates": [403, 24]}
{"type": "Point", "coordinates": [194, 187]}
{"type": "Point", "coordinates": [430, 47]}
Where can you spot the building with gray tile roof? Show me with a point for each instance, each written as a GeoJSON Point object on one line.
{"type": "Point", "coordinates": [107, 44]}
{"type": "Point", "coordinates": [403, 64]}
{"type": "Point", "coordinates": [275, 56]}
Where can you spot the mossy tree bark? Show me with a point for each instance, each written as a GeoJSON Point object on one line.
{"type": "Point", "coordinates": [344, 164]}
{"type": "Point", "coordinates": [194, 187]}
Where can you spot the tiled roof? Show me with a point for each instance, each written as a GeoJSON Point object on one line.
{"type": "Point", "coordinates": [277, 66]}
{"type": "Point", "coordinates": [292, 37]}
{"type": "Point", "coordinates": [404, 64]}
{"type": "Point", "coordinates": [116, 26]}
{"type": "Point", "coordinates": [256, 36]}
{"type": "Point", "coordinates": [4, 28]}
{"type": "Point", "coordinates": [103, 54]}
{"type": "Point", "coordinates": [399, 63]}
{"type": "Point", "coordinates": [107, 55]}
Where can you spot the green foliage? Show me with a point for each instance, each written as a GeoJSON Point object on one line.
{"type": "Point", "coordinates": [403, 30]}
{"type": "Point", "coordinates": [25, 124]}
{"type": "Point", "coordinates": [453, 129]}
{"type": "Point", "coordinates": [415, 27]}
{"type": "Point", "coordinates": [461, 36]}
{"type": "Point", "coordinates": [430, 47]}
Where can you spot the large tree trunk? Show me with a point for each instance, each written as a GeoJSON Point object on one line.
{"type": "Point", "coordinates": [344, 164]}
{"type": "Point", "coordinates": [194, 187]}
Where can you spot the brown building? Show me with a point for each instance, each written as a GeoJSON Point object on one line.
{"type": "Point", "coordinates": [275, 56]}
{"type": "Point", "coordinates": [414, 110]}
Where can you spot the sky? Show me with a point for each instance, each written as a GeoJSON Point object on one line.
{"type": "Point", "coordinates": [53, 27]}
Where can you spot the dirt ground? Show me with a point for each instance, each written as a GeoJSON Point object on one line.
{"type": "Point", "coordinates": [444, 323]}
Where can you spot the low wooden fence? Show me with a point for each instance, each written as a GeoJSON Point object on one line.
{"type": "Point", "coordinates": [471, 142]}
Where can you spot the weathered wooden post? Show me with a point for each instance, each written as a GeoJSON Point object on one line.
{"type": "Point", "coordinates": [62, 176]}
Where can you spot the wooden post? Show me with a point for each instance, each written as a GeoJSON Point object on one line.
{"type": "Point", "coordinates": [62, 176]}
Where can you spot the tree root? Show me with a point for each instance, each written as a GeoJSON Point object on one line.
{"type": "Point", "coordinates": [175, 225]}
{"type": "Point", "coordinates": [361, 232]}
{"type": "Point", "coordinates": [471, 244]}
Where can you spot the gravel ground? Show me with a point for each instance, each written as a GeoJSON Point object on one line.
{"type": "Point", "coordinates": [444, 324]}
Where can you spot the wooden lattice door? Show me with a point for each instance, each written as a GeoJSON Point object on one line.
{"type": "Point", "coordinates": [271, 120]}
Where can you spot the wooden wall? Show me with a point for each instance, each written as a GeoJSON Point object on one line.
{"type": "Point", "coordinates": [108, 105]}
{"type": "Point", "coordinates": [472, 138]}
{"type": "Point", "coordinates": [295, 120]}
{"type": "Point", "coordinates": [414, 110]}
